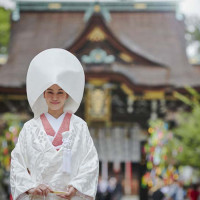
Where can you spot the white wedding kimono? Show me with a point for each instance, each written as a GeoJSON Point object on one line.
{"type": "Point", "coordinates": [35, 161]}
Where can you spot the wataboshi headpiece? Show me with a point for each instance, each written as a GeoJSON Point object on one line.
{"type": "Point", "coordinates": [54, 66]}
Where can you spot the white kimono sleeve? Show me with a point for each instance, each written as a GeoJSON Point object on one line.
{"type": "Point", "coordinates": [20, 179]}
{"type": "Point", "coordinates": [87, 178]}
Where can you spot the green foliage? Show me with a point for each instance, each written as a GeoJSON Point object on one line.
{"type": "Point", "coordinates": [193, 28]}
{"type": "Point", "coordinates": [193, 38]}
{"type": "Point", "coordinates": [187, 132]}
{"type": "Point", "coordinates": [4, 30]}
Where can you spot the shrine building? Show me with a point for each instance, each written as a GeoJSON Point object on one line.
{"type": "Point", "coordinates": [134, 58]}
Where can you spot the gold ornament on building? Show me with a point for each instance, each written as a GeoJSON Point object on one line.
{"type": "Point", "coordinates": [150, 94]}
{"type": "Point", "coordinates": [96, 35]}
{"type": "Point", "coordinates": [140, 6]}
{"type": "Point", "coordinates": [128, 91]}
{"type": "Point", "coordinates": [98, 102]}
{"type": "Point", "coordinates": [98, 105]}
{"type": "Point", "coordinates": [55, 6]}
{"type": "Point", "coordinates": [97, 8]}
{"type": "Point", "coordinates": [98, 82]}
{"type": "Point", "coordinates": [125, 57]}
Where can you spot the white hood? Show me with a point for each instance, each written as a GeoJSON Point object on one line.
{"type": "Point", "coordinates": [54, 66]}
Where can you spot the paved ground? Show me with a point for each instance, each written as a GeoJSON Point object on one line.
{"type": "Point", "coordinates": [130, 198]}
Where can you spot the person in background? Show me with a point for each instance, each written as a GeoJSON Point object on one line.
{"type": "Point", "coordinates": [176, 190]}
{"type": "Point", "coordinates": [193, 193]}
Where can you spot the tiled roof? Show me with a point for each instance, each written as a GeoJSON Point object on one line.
{"type": "Point", "coordinates": [157, 36]}
{"type": "Point", "coordinates": [33, 33]}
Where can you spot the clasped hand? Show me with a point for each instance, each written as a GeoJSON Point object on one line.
{"type": "Point", "coordinates": [69, 194]}
{"type": "Point", "coordinates": [43, 190]}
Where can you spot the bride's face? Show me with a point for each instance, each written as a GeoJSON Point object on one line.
{"type": "Point", "coordinates": [55, 97]}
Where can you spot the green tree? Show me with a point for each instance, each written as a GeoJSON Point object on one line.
{"type": "Point", "coordinates": [193, 29]}
{"type": "Point", "coordinates": [193, 37]}
{"type": "Point", "coordinates": [185, 146]}
{"type": "Point", "coordinates": [4, 30]}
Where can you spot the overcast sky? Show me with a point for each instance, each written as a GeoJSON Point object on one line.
{"type": "Point", "coordinates": [188, 7]}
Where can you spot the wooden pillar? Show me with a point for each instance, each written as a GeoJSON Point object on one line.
{"type": "Point", "coordinates": [116, 166]}
{"type": "Point", "coordinates": [128, 178]}
{"type": "Point", "coordinates": [104, 170]}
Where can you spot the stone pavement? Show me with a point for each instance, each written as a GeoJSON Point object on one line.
{"type": "Point", "coordinates": [132, 197]}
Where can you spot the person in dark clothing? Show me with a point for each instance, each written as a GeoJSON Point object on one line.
{"type": "Point", "coordinates": [158, 195]}
{"type": "Point", "coordinates": [194, 193]}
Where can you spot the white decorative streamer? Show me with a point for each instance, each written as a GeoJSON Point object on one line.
{"type": "Point", "coordinates": [66, 161]}
{"type": "Point", "coordinates": [68, 138]}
